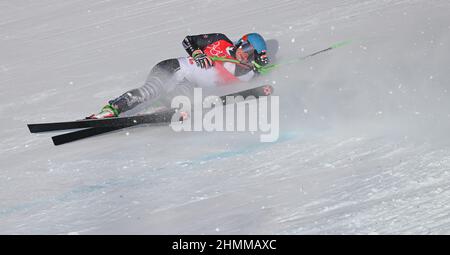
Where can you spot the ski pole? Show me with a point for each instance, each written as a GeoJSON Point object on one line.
{"type": "Point", "coordinates": [265, 69]}
{"type": "Point", "coordinates": [231, 60]}
{"type": "Point", "coordinates": [334, 46]}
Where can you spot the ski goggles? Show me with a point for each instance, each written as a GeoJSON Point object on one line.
{"type": "Point", "coordinates": [248, 49]}
{"type": "Point", "coordinates": [259, 56]}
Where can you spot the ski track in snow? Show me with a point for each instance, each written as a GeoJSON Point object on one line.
{"type": "Point", "coordinates": [327, 174]}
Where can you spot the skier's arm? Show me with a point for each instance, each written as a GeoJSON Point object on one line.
{"type": "Point", "coordinates": [192, 43]}
{"type": "Point", "coordinates": [195, 44]}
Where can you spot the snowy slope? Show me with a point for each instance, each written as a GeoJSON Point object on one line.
{"type": "Point", "coordinates": [363, 145]}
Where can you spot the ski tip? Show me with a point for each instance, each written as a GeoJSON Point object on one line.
{"type": "Point", "coordinates": [32, 128]}
{"type": "Point", "coordinates": [57, 141]}
{"type": "Point", "coordinates": [340, 44]}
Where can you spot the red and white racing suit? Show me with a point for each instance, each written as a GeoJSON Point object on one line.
{"type": "Point", "coordinates": [174, 77]}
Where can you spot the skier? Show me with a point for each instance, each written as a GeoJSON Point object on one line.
{"type": "Point", "coordinates": [174, 77]}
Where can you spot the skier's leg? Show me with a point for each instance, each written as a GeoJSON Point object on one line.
{"type": "Point", "coordinates": [167, 79]}
{"type": "Point", "coordinates": [159, 82]}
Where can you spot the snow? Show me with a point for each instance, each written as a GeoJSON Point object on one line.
{"type": "Point", "coordinates": [363, 149]}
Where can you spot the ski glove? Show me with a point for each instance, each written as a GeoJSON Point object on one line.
{"type": "Point", "coordinates": [202, 60]}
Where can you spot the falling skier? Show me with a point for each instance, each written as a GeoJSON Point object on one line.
{"type": "Point", "coordinates": [238, 62]}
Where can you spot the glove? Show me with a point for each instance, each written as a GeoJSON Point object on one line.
{"type": "Point", "coordinates": [260, 69]}
{"type": "Point", "coordinates": [261, 64]}
{"type": "Point", "coordinates": [262, 59]}
{"type": "Point", "coordinates": [202, 60]}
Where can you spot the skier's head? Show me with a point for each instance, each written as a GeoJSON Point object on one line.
{"type": "Point", "coordinates": [252, 47]}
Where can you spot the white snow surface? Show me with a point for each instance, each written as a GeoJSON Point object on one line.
{"type": "Point", "coordinates": [363, 149]}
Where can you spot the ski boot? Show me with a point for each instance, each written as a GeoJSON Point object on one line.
{"type": "Point", "coordinates": [107, 111]}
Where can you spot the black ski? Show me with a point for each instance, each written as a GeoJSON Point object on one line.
{"type": "Point", "coordinates": [80, 134]}
{"type": "Point", "coordinates": [159, 117]}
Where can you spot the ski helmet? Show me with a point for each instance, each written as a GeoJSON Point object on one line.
{"type": "Point", "coordinates": [255, 45]}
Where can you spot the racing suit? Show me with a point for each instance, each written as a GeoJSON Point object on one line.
{"type": "Point", "coordinates": [179, 76]}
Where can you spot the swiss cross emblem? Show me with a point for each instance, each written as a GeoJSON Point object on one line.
{"type": "Point", "coordinates": [267, 90]}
